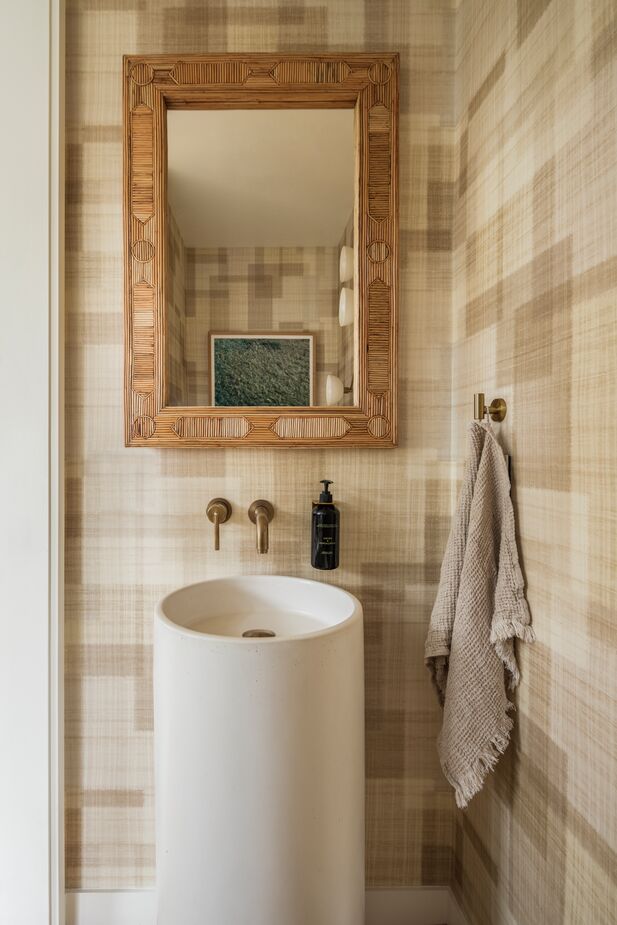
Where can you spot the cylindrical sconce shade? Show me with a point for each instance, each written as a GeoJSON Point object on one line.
{"type": "Point", "coordinates": [345, 307]}
{"type": "Point", "coordinates": [346, 264]}
{"type": "Point", "coordinates": [334, 390]}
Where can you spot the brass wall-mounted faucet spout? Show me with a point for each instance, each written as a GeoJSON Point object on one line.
{"type": "Point", "coordinates": [261, 513]}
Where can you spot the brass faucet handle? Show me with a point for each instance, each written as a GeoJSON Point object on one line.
{"type": "Point", "coordinates": [218, 511]}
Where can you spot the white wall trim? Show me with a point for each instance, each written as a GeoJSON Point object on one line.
{"type": "Point", "coordinates": [57, 913]}
{"type": "Point", "coordinates": [416, 906]}
{"type": "Point", "coordinates": [111, 907]}
{"type": "Point", "coordinates": [31, 466]}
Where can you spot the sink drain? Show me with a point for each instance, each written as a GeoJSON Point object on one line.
{"type": "Point", "coordinates": [259, 634]}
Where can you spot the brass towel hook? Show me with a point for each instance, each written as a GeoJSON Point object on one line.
{"type": "Point", "coordinates": [497, 408]}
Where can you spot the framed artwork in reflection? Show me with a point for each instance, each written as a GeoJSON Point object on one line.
{"type": "Point", "coordinates": [262, 369]}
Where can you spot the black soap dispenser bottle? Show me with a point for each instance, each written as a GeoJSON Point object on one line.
{"type": "Point", "coordinates": [325, 530]}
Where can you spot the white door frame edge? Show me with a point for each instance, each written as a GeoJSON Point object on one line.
{"type": "Point", "coordinates": [56, 461]}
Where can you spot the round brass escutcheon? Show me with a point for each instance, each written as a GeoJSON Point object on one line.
{"type": "Point", "coordinates": [253, 510]}
{"type": "Point", "coordinates": [218, 508]}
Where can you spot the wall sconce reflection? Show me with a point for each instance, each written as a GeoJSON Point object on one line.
{"type": "Point", "coordinates": [346, 264]}
{"type": "Point", "coordinates": [346, 307]}
{"type": "Point", "coordinates": [335, 390]}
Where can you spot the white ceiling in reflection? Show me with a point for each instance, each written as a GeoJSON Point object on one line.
{"type": "Point", "coordinates": [261, 178]}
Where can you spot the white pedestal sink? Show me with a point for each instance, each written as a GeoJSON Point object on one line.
{"type": "Point", "coordinates": [259, 754]}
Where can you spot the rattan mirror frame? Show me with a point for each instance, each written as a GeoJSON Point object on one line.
{"type": "Point", "coordinates": [154, 83]}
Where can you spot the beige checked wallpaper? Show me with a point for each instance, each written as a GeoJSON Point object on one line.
{"type": "Point", "coordinates": [264, 289]}
{"type": "Point", "coordinates": [250, 289]}
{"type": "Point", "coordinates": [535, 320]}
{"type": "Point", "coordinates": [136, 524]}
{"type": "Point", "coordinates": [508, 160]}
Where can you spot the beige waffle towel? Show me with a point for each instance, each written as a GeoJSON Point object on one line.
{"type": "Point", "coordinates": [480, 608]}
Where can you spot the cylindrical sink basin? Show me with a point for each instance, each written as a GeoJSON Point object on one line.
{"type": "Point", "coordinates": [259, 746]}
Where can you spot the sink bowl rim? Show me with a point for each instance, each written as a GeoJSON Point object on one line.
{"type": "Point", "coordinates": [355, 615]}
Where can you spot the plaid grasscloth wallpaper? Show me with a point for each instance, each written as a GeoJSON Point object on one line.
{"type": "Point", "coordinates": [251, 289]}
{"type": "Point", "coordinates": [136, 524]}
{"type": "Point", "coordinates": [261, 289]}
{"type": "Point", "coordinates": [508, 156]}
{"type": "Point", "coordinates": [535, 317]}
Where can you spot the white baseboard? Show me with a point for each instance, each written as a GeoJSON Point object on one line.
{"type": "Point", "coordinates": [415, 906]}
{"type": "Point", "coordinates": [111, 907]}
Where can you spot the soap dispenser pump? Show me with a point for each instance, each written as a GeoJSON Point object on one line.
{"type": "Point", "coordinates": [325, 530]}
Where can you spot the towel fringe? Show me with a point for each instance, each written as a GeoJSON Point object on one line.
{"type": "Point", "coordinates": [470, 783]}
{"type": "Point", "coordinates": [502, 634]}
{"type": "Point", "coordinates": [511, 629]}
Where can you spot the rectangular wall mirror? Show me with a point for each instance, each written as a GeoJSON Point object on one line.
{"type": "Point", "coordinates": [260, 204]}
{"type": "Point", "coordinates": [261, 250]}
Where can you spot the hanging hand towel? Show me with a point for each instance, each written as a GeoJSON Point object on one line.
{"type": "Point", "coordinates": [480, 608]}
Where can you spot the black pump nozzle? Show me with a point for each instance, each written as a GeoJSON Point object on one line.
{"type": "Point", "coordinates": [326, 495]}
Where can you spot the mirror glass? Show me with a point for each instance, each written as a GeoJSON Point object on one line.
{"type": "Point", "coordinates": [260, 265]}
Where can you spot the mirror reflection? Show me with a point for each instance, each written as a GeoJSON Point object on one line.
{"type": "Point", "coordinates": [260, 264]}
